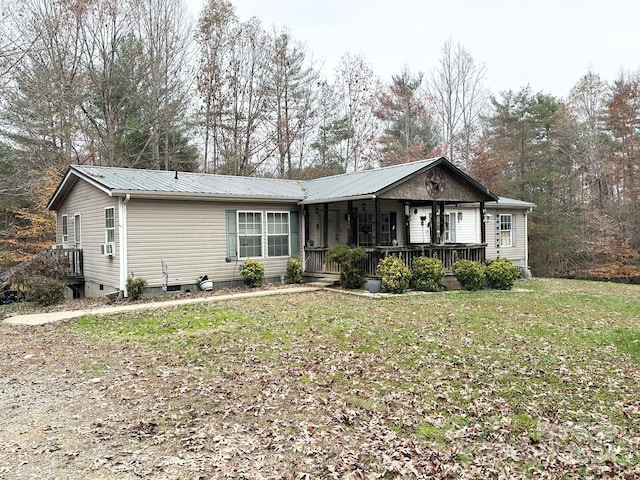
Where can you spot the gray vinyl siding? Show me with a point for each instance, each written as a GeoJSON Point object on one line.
{"type": "Point", "coordinates": [190, 238]}
{"type": "Point", "coordinates": [90, 203]}
{"type": "Point", "coordinates": [515, 253]}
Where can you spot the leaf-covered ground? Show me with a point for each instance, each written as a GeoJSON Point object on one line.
{"type": "Point", "coordinates": [543, 382]}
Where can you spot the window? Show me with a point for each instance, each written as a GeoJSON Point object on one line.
{"type": "Point", "coordinates": [110, 225]}
{"type": "Point", "coordinates": [278, 234]}
{"type": "Point", "coordinates": [506, 231]}
{"type": "Point", "coordinates": [365, 229]}
{"type": "Point", "coordinates": [450, 227]}
{"type": "Point", "coordinates": [250, 234]}
{"type": "Point", "coordinates": [77, 230]}
{"type": "Point", "coordinates": [65, 229]}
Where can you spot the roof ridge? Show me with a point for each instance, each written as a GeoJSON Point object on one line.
{"type": "Point", "coordinates": [397, 165]}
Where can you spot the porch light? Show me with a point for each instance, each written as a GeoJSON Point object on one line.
{"type": "Point", "coordinates": [406, 209]}
{"type": "Point", "coordinates": [459, 217]}
{"type": "Point", "coordinates": [486, 216]}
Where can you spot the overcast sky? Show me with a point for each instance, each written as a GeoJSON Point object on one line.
{"type": "Point", "coordinates": [547, 44]}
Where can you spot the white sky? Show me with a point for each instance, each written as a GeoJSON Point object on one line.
{"type": "Point", "coordinates": [547, 44]}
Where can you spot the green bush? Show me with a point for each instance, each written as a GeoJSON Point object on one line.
{"type": "Point", "coordinates": [294, 270]}
{"type": "Point", "coordinates": [135, 287]}
{"type": "Point", "coordinates": [252, 272]}
{"type": "Point", "coordinates": [395, 276]}
{"type": "Point", "coordinates": [43, 290]}
{"type": "Point", "coordinates": [469, 274]}
{"type": "Point", "coordinates": [427, 274]}
{"type": "Point", "coordinates": [501, 274]}
{"type": "Point", "coordinates": [350, 262]}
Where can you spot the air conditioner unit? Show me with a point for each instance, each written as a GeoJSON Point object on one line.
{"type": "Point", "coordinates": [107, 249]}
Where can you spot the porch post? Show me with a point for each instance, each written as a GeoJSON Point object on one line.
{"type": "Point", "coordinates": [350, 222]}
{"type": "Point", "coordinates": [407, 216]}
{"type": "Point", "coordinates": [483, 227]}
{"type": "Point", "coordinates": [442, 224]}
{"type": "Point", "coordinates": [377, 220]}
{"type": "Point", "coordinates": [305, 216]}
{"type": "Point", "coordinates": [325, 230]}
{"type": "Point", "coordinates": [432, 227]}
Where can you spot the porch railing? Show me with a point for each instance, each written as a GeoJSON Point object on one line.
{"type": "Point", "coordinates": [69, 259]}
{"type": "Point", "coordinates": [316, 257]}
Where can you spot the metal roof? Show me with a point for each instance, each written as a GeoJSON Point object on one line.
{"type": "Point", "coordinates": [510, 202]}
{"type": "Point", "coordinates": [361, 184]}
{"type": "Point", "coordinates": [162, 183]}
{"type": "Point", "coordinates": [120, 181]}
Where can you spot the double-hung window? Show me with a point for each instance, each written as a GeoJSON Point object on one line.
{"type": "Point", "coordinates": [110, 225]}
{"type": "Point", "coordinates": [65, 229]}
{"type": "Point", "coordinates": [506, 230]}
{"type": "Point", "coordinates": [278, 234]}
{"type": "Point", "coordinates": [250, 234]}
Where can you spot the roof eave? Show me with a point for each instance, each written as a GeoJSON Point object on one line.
{"type": "Point", "coordinates": [368, 196]}
{"type": "Point", "coordinates": [67, 183]}
{"type": "Point", "coordinates": [203, 196]}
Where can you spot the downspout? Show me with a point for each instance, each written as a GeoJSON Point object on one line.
{"type": "Point", "coordinates": [526, 240]}
{"type": "Point", "coordinates": [122, 214]}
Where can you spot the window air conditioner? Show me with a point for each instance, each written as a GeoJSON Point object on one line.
{"type": "Point", "coordinates": [107, 249]}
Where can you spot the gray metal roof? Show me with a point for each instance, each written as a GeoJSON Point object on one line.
{"type": "Point", "coordinates": [129, 180]}
{"type": "Point", "coordinates": [512, 202]}
{"type": "Point", "coordinates": [505, 202]}
{"type": "Point", "coordinates": [348, 186]}
{"type": "Point", "coordinates": [361, 184]}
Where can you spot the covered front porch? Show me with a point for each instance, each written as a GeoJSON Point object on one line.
{"type": "Point", "coordinates": [316, 257]}
{"type": "Point", "coordinates": [428, 208]}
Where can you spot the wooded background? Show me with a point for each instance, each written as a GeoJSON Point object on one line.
{"type": "Point", "coordinates": [138, 83]}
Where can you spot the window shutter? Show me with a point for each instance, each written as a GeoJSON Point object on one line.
{"type": "Point", "coordinates": [513, 230]}
{"type": "Point", "coordinates": [294, 232]}
{"type": "Point", "coordinates": [232, 234]}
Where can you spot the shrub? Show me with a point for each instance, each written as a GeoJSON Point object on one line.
{"type": "Point", "coordinates": [350, 262]}
{"type": "Point", "coordinates": [294, 270]}
{"type": "Point", "coordinates": [394, 274]}
{"type": "Point", "coordinates": [43, 290]}
{"type": "Point", "coordinates": [252, 272]}
{"type": "Point", "coordinates": [427, 274]}
{"type": "Point", "coordinates": [501, 274]}
{"type": "Point", "coordinates": [469, 274]}
{"type": "Point", "coordinates": [135, 287]}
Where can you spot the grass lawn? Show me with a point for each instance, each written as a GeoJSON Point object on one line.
{"type": "Point", "coordinates": [541, 382]}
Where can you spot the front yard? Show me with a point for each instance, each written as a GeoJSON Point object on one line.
{"type": "Point", "coordinates": [541, 382]}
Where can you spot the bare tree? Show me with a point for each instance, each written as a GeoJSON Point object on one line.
{"type": "Point", "coordinates": [165, 35]}
{"type": "Point", "coordinates": [456, 87]}
{"type": "Point", "coordinates": [357, 88]}
{"type": "Point", "coordinates": [215, 24]}
{"type": "Point", "coordinates": [294, 90]}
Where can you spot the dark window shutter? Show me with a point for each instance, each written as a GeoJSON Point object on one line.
{"type": "Point", "coordinates": [513, 230]}
{"type": "Point", "coordinates": [232, 234]}
{"type": "Point", "coordinates": [294, 232]}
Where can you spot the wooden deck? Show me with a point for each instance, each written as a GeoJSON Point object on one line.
{"type": "Point", "coordinates": [316, 257]}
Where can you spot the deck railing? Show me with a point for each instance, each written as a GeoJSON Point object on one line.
{"type": "Point", "coordinates": [316, 257]}
{"type": "Point", "coordinates": [69, 259]}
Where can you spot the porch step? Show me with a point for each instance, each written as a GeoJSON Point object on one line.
{"type": "Point", "coordinates": [321, 280]}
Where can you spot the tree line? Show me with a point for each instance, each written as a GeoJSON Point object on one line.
{"type": "Point", "coordinates": [138, 83]}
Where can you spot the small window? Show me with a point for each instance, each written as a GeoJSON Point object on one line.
{"type": "Point", "coordinates": [65, 229]}
{"type": "Point", "coordinates": [506, 231]}
{"type": "Point", "coordinates": [250, 234]}
{"type": "Point", "coordinates": [109, 225]}
{"type": "Point", "coordinates": [278, 234]}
